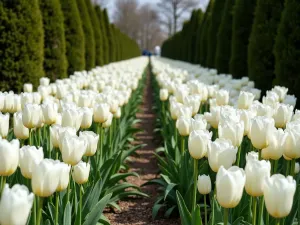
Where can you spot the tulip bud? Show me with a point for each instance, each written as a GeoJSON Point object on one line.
{"type": "Point", "coordinates": [9, 102]}
{"type": "Point", "coordinates": [198, 143]}
{"type": "Point", "coordinates": [245, 100]}
{"type": "Point", "coordinates": [44, 81]}
{"type": "Point", "coordinates": [252, 156]}
{"type": "Point", "coordinates": [72, 118]}
{"type": "Point", "coordinates": [297, 168]}
{"type": "Point", "coordinates": [15, 205]}
{"type": "Point", "coordinates": [45, 178]}
{"type": "Point", "coordinates": [281, 92]}
{"type": "Point", "coordinates": [20, 131]}
{"type": "Point", "coordinates": [221, 153]}
{"type": "Point", "coordinates": [180, 94]}
{"type": "Point", "coordinates": [193, 101]}
{"type": "Point", "coordinates": [275, 145]}
{"type": "Point", "coordinates": [27, 87]}
{"type": "Point", "coordinates": [184, 111]}
{"type": "Point", "coordinates": [222, 97]}
{"type": "Point", "coordinates": [246, 116]}
{"type": "Point", "coordinates": [118, 113]}
{"type": "Point", "coordinates": [291, 143]}
{"type": "Point", "coordinates": [4, 124]}
{"type": "Point", "coordinates": [9, 155]}
{"type": "Point", "coordinates": [31, 115]}
{"type": "Point", "coordinates": [279, 193]}
{"type": "Point", "coordinates": [30, 156]}
{"type": "Point", "coordinates": [256, 173]}
{"type": "Point", "coordinates": [72, 149]}
{"type": "Point", "coordinates": [62, 132]}
{"type": "Point", "coordinates": [282, 115]}
{"type": "Point", "coordinates": [64, 176]}
{"type": "Point", "coordinates": [184, 126]}
{"type": "Point", "coordinates": [26, 98]}
{"type": "Point", "coordinates": [50, 112]}
{"type": "Point", "coordinates": [80, 172]}
{"type": "Point", "coordinates": [232, 131]}
{"type": "Point", "coordinates": [204, 184]}
{"type": "Point", "coordinates": [213, 116]}
{"type": "Point", "coordinates": [163, 94]}
{"type": "Point", "coordinates": [260, 128]}
{"type": "Point", "coordinates": [87, 118]}
{"type": "Point", "coordinates": [91, 140]}
{"type": "Point", "coordinates": [85, 100]}
{"type": "Point", "coordinates": [230, 186]}
{"type": "Point", "coordinates": [108, 122]}
{"type": "Point", "coordinates": [37, 98]}
{"type": "Point", "coordinates": [101, 112]}
{"type": "Point", "coordinates": [199, 123]}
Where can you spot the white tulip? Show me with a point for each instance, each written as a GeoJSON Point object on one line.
{"type": "Point", "coordinates": [198, 143]}
{"type": "Point", "coordinates": [4, 124]}
{"type": "Point", "coordinates": [87, 118]}
{"type": "Point", "coordinates": [101, 112]}
{"type": "Point", "coordinates": [184, 126]}
{"type": "Point", "coordinates": [9, 155]}
{"type": "Point", "coordinates": [282, 115]}
{"type": "Point", "coordinates": [251, 156]}
{"type": "Point", "coordinates": [64, 176]}
{"type": "Point", "coordinates": [50, 111]}
{"type": "Point", "coordinates": [245, 100]}
{"type": "Point", "coordinates": [80, 172]}
{"type": "Point", "coordinates": [291, 143]}
{"type": "Point", "coordinates": [118, 113]}
{"type": "Point", "coordinates": [72, 149]}
{"type": "Point", "coordinates": [275, 147]}
{"type": "Point", "coordinates": [32, 115]}
{"type": "Point", "coordinates": [72, 118]}
{"type": "Point", "coordinates": [15, 205]}
{"type": "Point", "coordinates": [199, 123]}
{"type": "Point", "coordinates": [290, 100]}
{"type": "Point", "coordinates": [297, 168]}
{"type": "Point", "coordinates": [27, 87]}
{"type": "Point", "coordinates": [163, 94]}
{"type": "Point", "coordinates": [204, 184]}
{"type": "Point", "coordinates": [193, 101]}
{"type": "Point", "coordinates": [91, 140]}
{"type": "Point", "coordinates": [213, 116]}
{"type": "Point", "coordinates": [30, 156]}
{"type": "Point", "coordinates": [44, 81]}
{"type": "Point", "coordinates": [246, 116]}
{"type": "Point", "coordinates": [222, 97]}
{"type": "Point", "coordinates": [184, 111]}
{"type": "Point", "coordinates": [281, 92]}
{"type": "Point", "coordinates": [20, 131]}
{"type": "Point", "coordinates": [232, 131]}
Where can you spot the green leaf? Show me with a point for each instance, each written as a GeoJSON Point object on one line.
{"type": "Point", "coordinates": [67, 214]}
{"type": "Point", "coordinates": [170, 210]}
{"type": "Point", "coordinates": [156, 209]}
{"type": "Point", "coordinates": [196, 216]}
{"type": "Point", "coordinates": [168, 189]}
{"type": "Point", "coordinates": [185, 215]}
{"type": "Point", "coordinates": [238, 220]}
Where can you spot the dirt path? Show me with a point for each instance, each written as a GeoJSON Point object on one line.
{"type": "Point", "coordinates": [138, 211]}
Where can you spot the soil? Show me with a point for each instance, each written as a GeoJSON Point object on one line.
{"type": "Point", "coordinates": [138, 211]}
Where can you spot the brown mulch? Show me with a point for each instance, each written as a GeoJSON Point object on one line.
{"type": "Point", "coordinates": [138, 211]}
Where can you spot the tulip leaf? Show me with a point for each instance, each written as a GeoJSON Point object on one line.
{"type": "Point", "coordinates": [92, 199]}
{"type": "Point", "coordinates": [185, 215]}
{"type": "Point", "coordinates": [156, 209]}
{"type": "Point", "coordinates": [196, 216]}
{"type": "Point", "coordinates": [170, 210]}
{"type": "Point", "coordinates": [103, 221]}
{"type": "Point", "coordinates": [68, 214]}
{"type": "Point", "coordinates": [93, 217]}
{"type": "Point", "coordinates": [238, 220]}
{"type": "Point", "coordinates": [168, 189]}
{"type": "Point", "coordinates": [295, 208]}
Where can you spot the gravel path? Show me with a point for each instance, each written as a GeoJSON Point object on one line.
{"type": "Point", "coordinates": [138, 211]}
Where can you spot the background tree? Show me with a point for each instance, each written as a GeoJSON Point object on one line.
{"type": "Point", "coordinates": [107, 27]}
{"type": "Point", "coordinates": [21, 44]}
{"type": "Point", "coordinates": [88, 35]}
{"type": "Point", "coordinates": [261, 44]}
{"type": "Point", "coordinates": [216, 17]}
{"type": "Point", "coordinates": [287, 48]}
{"type": "Point", "coordinates": [105, 44]}
{"type": "Point", "coordinates": [55, 61]}
{"type": "Point", "coordinates": [196, 36]}
{"type": "Point", "coordinates": [74, 36]}
{"type": "Point", "coordinates": [243, 13]}
{"type": "Point", "coordinates": [223, 50]}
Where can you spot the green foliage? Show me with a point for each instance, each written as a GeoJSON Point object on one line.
{"type": "Point", "coordinates": [216, 17]}
{"type": "Point", "coordinates": [97, 33]}
{"type": "Point", "coordinates": [74, 36]}
{"type": "Point", "coordinates": [55, 61]}
{"type": "Point", "coordinates": [198, 35]}
{"type": "Point", "coordinates": [223, 50]}
{"type": "Point", "coordinates": [287, 48]}
{"type": "Point", "coordinates": [243, 13]}
{"type": "Point", "coordinates": [107, 27]}
{"type": "Point", "coordinates": [88, 35]}
{"type": "Point", "coordinates": [21, 43]}
{"type": "Point", "coordinates": [104, 39]}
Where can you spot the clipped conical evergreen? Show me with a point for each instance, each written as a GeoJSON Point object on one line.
{"type": "Point", "coordinates": [243, 13]}
{"type": "Point", "coordinates": [97, 33]}
{"type": "Point", "coordinates": [204, 34]}
{"type": "Point", "coordinates": [74, 36]}
{"type": "Point", "coordinates": [105, 44]}
{"type": "Point", "coordinates": [287, 48]}
{"type": "Point", "coordinates": [55, 61]}
{"type": "Point", "coordinates": [216, 17]}
{"type": "Point", "coordinates": [260, 49]}
{"type": "Point", "coordinates": [114, 43]}
{"type": "Point", "coordinates": [109, 36]}
{"type": "Point", "coordinates": [196, 37]}
{"type": "Point", "coordinates": [88, 35]}
{"type": "Point", "coordinates": [223, 50]}
{"type": "Point", "coordinates": [21, 44]}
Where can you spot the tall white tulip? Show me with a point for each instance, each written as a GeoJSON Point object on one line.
{"type": "Point", "coordinates": [291, 143]}
{"type": "Point", "coordinates": [80, 172]}
{"type": "Point", "coordinates": [193, 101]}
{"type": "Point", "coordinates": [101, 112]}
{"type": "Point", "coordinates": [199, 123]}
{"type": "Point", "coordinates": [222, 97]}
{"type": "Point", "coordinates": [87, 118]}
{"type": "Point", "coordinates": [163, 94]}
{"type": "Point", "coordinates": [275, 147]}
{"type": "Point", "coordinates": [64, 176]}
{"type": "Point", "coordinates": [108, 122]}
{"type": "Point", "coordinates": [213, 116]}
{"type": "Point", "coordinates": [198, 143]}
{"type": "Point", "coordinates": [246, 116]}
{"type": "Point", "coordinates": [256, 173]}
{"type": "Point", "coordinates": [31, 115]}
{"type": "Point", "coordinates": [20, 131]}
{"type": "Point", "coordinates": [221, 153]}
{"type": "Point", "coordinates": [251, 156]}
{"type": "Point", "coordinates": [184, 126]}
{"type": "Point", "coordinates": [204, 184]}
{"type": "Point", "coordinates": [15, 205]}
{"type": "Point", "coordinates": [282, 115]}
{"type": "Point", "coordinates": [232, 131]}
{"type": "Point", "coordinates": [30, 156]}
{"type": "Point", "coordinates": [279, 193]}
{"type": "Point", "coordinates": [27, 87]}
{"type": "Point", "coordinates": [72, 118]}
{"type": "Point", "coordinates": [91, 140]}
{"type": "Point", "coordinates": [72, 149]}
{"type": "Point", "coordinates": [4, 124]}
{"type": "Point", "coordinates": [45, 178]}
{"type": "Point", "coordinates": [280, 91]}
{"type": "Point", "coordinates": [245, 100]}
{"type": "Point", "coordinates": [50, 111]}
{"type": "Point", "coordinates": [230, 186]}
{"type": "Point", "coordinates": [9, 155]}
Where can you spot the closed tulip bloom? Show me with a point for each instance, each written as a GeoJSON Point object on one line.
{"type": "Point", "coordinates": [31, 115]}
{"type": "Point", "coordinates": [163, 94]}
{"type": "Point", "coordinates": [199, 123]}
{"type": "Point", "coordinates": [282, 115]}
{"type": "Point", "coordinates": [101, 112]}
{"type": "Point", "coordinates": [72, 118]}
{"type": "Point", "coordinates": [8, 102]}
{"type": "Point", "coordinates": [213, 116]}
{"type": "Point", "coordinates": [174, 107]}
{"type": "Point", "coordinates": [44, 81]}
{"type": "Point", "coordinates": [72, 149]}
{"type": "Point", "coordinates": [118, 113]}
{"type": "Point", "coordinates": [54, 135]}
{"type": "Point", "coordinates": [91, 140]}
{"type": "Point", "coordinates": [252, 156]}
{"type": "Point", "coordinates": [221, 153]}
{"type": "Point", "coordinates": [222, 97]}
{"type": "Point", "coordinates": [260, 129]}
{"type": "Point", "coordinates": [4, 124]}
{"type": "Point", "coordinates": [30, 156]}
{"type": "Point", "coordinates": [26, 98]}
{"type": "Point", "coordinates": [15, 205]}
{"type": "Point", "coordinates": [45, 178]}
{"type": "Point", "coordinates": [275, 147]}
{"type": "Point", "coordinates": [37, 98]}
{"type": "Point", "coordinates": [85, 100]}
{"type": "Point", "coordinates": [246, 116]}
{"type": "Point", "coordinates": [281, 92]}
{"type": "Point", "coordinates": [290, 100]}
{"type": "Point", "coordinates": [232, 131]}
{"type": "Point", "coordinates": [80, 172]}
{"type": "Point", "coordinates": [65, 131]}
{"type": "Point", "coordinates": [297, 168]}
{"type": "Point", "coordinates": [256, 173]}
{"type": "Point", "coordinates": [27, 87]}
{"type": "Point", "coordinates": [184, 126]}
{"type": "Point", "coordinates": [279, 193]}
{"type": "Point", "coordinates": [20, 131]}
{"type": "Point", "coordinates": [291, 143]}
{"type": "Point", "coordinates": [198, 143]}
{"type": "Point", "coordinates": [50, 111]}
{"type": "Point", "coordinates": [180, 94]}
{"type": "Point", "coordinates": [245, 100]}
{"type": "Point", "coordinates": [87, 118]}
{"type": "Point", "coordinates": [64, 176]}
{"type": "Point", "coordinates": [230, 186]}
{"type": "Point", "coordinates": [9, 155]}
{"type": "Point", "coordinates": [204, 184]}
{"type": "Point", "coordinates": [184, 111]}
{"type": "Point", "coordinates": [108, 122]}
{"type": "Point", "coordinates": [193, 101]}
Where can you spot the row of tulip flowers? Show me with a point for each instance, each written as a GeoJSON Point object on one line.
{"type": "Point", "coordinates": [222, 143]}
{"type": "Point", "coordinates": [62, 152]}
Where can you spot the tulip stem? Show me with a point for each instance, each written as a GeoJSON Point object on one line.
{"type": "Point", "coordinates": [292, 171]}
{"type": "Point", "coordinates": [182, 144]}
{"type": "Point", "coordinates": [40, 209]}
{"type": "Point", "coordinates": [195, 185]}
{"type": "Point", "coordinates": [259, 154]}
{"type": "Point", "coordinates": [287, 172]}
{"type": "Point", "coordinates": [3, 182]}
{"type": "Point", "coordinates": [254, 204]}
{"type": "Point", "coordinates": [277, 221]}
{"type": "Point", "coordinates": [205, 209]}
{"type": "Point", "coordinates": [226, 216]}
{"type": "Point", "coordinates": [56, 207]}
{"type": "Point", "coordinates": [261, 210]}
{"type": "Point", "coordinates": [239, 155]}
{"type": "Point", "coordinates": [275, 166]}
{"type": "Point", "coordinates": [111, 129]}
{"type": "Point", "coordinates": [34, 210]}
{"type": "Point", "coordinates": [175, 135]}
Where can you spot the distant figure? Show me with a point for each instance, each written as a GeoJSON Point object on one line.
{"type": "Point", "coordinates": [157, 50]}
